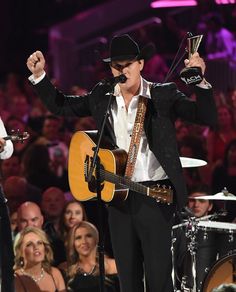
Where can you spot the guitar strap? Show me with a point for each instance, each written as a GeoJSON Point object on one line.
{"type": "Point", "coordinates": [136, 136]}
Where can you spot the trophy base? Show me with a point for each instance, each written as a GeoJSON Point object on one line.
{"type": "Point", "coordinates": [191, 75]}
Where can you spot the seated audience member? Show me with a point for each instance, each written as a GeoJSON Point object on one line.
{"type": "Point", "coordinates": [83, 266]}
{"type": "Point", "coordinates": [18, 191]}
{"type": "Point", "coordinates": [72, 214]}
{"type": "Point", "coordinates": [51, 136]}
{"type": "Point", "coordinates": [29, 214]}
{"type": "Point", "coordinates": [20, 107]}
{"type": "Point", "coordinates": [10, 167]}
{"type": "Point", "coordinates": [36, 168]}
{"type": "Point", "coordinates": [218, 139]}
{"type": "Point", "coordinates": [33, 257]}
{"type": "Point", "coordinates": [52, 204]}
{"type": "Point", "coordinates": [224, 176]}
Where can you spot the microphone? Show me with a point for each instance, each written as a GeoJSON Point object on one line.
{"type": "Point", "coordinates": [114, 80]}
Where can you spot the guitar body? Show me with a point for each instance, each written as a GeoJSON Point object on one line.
{"type": "Point", "coordinates": [80, 156]}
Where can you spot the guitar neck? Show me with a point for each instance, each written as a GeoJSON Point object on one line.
{"type": "Point", "coordinates": [124, 182]}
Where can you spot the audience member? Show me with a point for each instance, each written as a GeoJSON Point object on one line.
{"type": "Point", "coordinates": [33, 270]}
{"type": "Point", "coordinates": [36, 168]}
{"type": "Point", "coordinates": [29, 214]}
{"type": "Point", "coordinates": [219, 138]}
{"type": "Point", "coordinates": [224, 176]}
{"type": "Point", "coordinates": [19, 107]}
{"type": "Point", "coordinates": [72, 214]}
{"type": "Point", "coordinates": [15, 191]}
{"type": "Point", "coordinates": [18, 190]}
{"type": "Point", "coordinates": [10, 167]}
{"type": "Point", "coordinates": [83, 265]}
{"type": "Point", "coordinates": [219, 40]}
{"type": "Point", "coordinates": [51, 136]}
{"type": "Point", "coordinates": [52, 204]}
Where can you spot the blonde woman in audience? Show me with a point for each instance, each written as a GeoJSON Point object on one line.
{"type": "Point", "coordinates": [83, 266]}
{"type": "Point", "coordinates": [33, 257]}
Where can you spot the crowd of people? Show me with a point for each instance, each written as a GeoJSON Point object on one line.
{"type": "Point", "coordinates": [56, 237]}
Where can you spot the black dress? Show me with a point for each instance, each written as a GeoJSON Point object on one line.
{"type": "Point", "coordinates": [90, 283]}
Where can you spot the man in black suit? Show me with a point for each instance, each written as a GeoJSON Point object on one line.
{"type": "Point", "coordinates": [140, 227]}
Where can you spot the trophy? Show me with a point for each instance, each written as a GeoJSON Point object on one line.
{"type": "Point", "coordinates": [192, 75]}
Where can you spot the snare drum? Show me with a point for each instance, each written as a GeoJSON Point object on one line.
{"type": "Point", "coordinates": [222, 272]}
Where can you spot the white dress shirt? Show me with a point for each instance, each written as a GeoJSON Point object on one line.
{"type": "Point", "coordinates": [147, 167]}
{"type": "Point", "coordinates": [8, 148]}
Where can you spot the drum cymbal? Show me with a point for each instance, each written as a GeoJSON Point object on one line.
{"type": "Point", "coordinates": [224, 195]}
{"type": "Point", "coordinates": [191, 162]}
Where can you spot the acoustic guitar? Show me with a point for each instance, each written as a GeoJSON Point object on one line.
{"type": "Point", "coordinates": [114, 185]}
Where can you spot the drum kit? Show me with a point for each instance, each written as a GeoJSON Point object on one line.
{"type": "Point", "coordinates": [223, 269]}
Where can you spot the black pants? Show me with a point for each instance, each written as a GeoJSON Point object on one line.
{"type": "Point", "coordinates": [141, 240]}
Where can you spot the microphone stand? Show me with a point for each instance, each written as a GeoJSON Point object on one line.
{"type": "Point", "coordinates": [96, 166]}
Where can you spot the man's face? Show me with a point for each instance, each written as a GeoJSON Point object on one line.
{"type": "Point", "coordinates": [51, 129]}
{"type": "Point", "coordinates": [52, 203]}
{"type": "Point", "coordinates": [29, 216]}
{"type": "Point", "coordinates": [131, 69]}
{"type": "Point", "coordinates": [200, 207]}
{"type": "Point", "coordinates": [10, 166]}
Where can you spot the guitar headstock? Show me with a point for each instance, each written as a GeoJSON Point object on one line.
{"type": "Point", "coordinates": [18, 136]}
{"type": "Point", "coordinates": [162, 194]}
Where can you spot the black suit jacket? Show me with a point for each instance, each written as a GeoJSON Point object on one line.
{"type": "Point", "coordinates": [167, 104]}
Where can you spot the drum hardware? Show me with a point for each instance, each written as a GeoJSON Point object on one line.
{"type": "Point", "coordinates": [191, 229]}
{"type": "Point", "coordinates": [231, 236]}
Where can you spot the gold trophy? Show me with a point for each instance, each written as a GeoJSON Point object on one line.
{"type": "Point", "coordinates": [192, 75]}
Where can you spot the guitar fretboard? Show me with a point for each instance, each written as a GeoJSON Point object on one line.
{"type": "Point", "coordinates": [124, 182]}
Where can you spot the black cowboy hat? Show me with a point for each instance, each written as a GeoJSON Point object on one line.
{"type": "Point", "coordinates": [123, 47]}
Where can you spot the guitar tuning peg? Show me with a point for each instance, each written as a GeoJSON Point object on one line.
{"type": "Point", "coordinates": [163, 186]}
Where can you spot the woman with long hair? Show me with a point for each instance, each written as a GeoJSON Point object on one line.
{"type": "Point", "coordinates": [33, 257]}
{"type": "Point", "coordinates": [72, 214]}
{"type": "Point", "coordinates": [83, 264]}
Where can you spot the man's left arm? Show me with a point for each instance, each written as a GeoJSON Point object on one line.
{"type": "Point", "coordinates": [6, 147]}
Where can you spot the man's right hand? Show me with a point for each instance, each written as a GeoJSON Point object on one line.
{"type": "Point", "coordinates": [36, 64]}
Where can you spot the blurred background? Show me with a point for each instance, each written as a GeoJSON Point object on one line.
{"type": "Point", "coordinates": [73, 34]}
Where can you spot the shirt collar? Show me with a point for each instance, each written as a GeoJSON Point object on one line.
{"type": "Point", "coordinates": [144, 89]}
